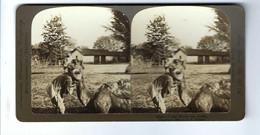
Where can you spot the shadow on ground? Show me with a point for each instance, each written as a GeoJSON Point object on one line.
{"type": "Point", "coordinates": [218, 73]}
{"type": "Point", "coordinates": [154, 110]}
{"type": "Point", "coordinates": [37, 72]}
{"type": "Point", "coordinates": [121, 73]}
{"type": "Point", "coordinates": [212, 73]}
{"type": "Point", "coordinates": [53, 111]}
{"type": "Point", "coordinates": [84, 110]}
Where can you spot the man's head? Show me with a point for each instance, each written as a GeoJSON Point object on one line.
{"type": "Point", "coordinates": [75, 70]}
{"type": "Point", "coordinates": [176, 69]}
{"type": "Point", "coordinates": [171, 60]}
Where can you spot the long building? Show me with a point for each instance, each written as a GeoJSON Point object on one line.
{"type": "Point", "coordinates": [202, 56]}
{"type": "Point", "coordinates": [97, 56]}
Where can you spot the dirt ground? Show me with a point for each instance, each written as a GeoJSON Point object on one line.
{"type": "Point", "coordinates": [141, 77]}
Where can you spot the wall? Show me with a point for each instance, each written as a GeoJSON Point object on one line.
{"type": "Point", "coordinates": [76, 53]}
{"type": "Point", "coordinates": [192, 59]}
{"type": "Point", "coordinates": [88, 59]}
{"type": "Point", "coordinates": [109, 59]}
{"type": "Point", "coordinates": [219, 59]}
{"type": "Point", "coordinates": [180, 55]}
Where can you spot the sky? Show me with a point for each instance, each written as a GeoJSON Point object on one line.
{"type": "Point", "coordinates": [84, 24]}
{"type": "Point", "coordinates": [187, 23]}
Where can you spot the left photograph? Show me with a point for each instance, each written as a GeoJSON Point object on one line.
{"type": "Point", "coordinates": [80, 61]}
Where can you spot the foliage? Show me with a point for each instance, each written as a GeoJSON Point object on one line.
{"type": "Point", "coordinates": [72, 42]}
{"type": "Point", "coordinates": [211, 43]}
{"type": "Point", "coordinates": [142, 51]}
{"type": "Point", "coordinates": [221, 26]}
{"type": "Point", "coordinates": [159, 40]}
{"type": "Point", "coordinates": [35, 49]}
{"type": "Point", "coordinates": [121, 29]}
{"type": "Point", "coordinates": [108, 43]}
{"type": "Point", "coordinates": [40, 51]}
{"type": "Point", "coordinates": [221, 40]}
{"type": "Point", "coordinates": [55, 40]}
{"type": "Point", "coordinates": [186, 47]}
{"type": "Point", "coordinates": [83, 48]}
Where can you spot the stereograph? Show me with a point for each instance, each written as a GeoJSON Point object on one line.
{"type": "Point", "coordinates": [130, 62]}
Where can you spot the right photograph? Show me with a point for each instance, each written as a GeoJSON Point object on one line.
{"type": "Point", "coordinates": [180, 60]}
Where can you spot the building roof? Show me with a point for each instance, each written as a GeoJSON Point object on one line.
{"type": "Point", "coordinates": [198, 52]}
{"type": "Point", "coordinates": [93, 52]}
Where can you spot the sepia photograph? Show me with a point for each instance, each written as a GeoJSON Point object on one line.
{"type": "Point", "coordinates": [180, 60]}
{"type": "Point", "coordinates": [82, 61]}
{"type": "Point", "coordinates": [120, 67]}
{"type": "Point", "coordinates": [130, 63]}
{"type": "Point", "coordinates": [79, 61]}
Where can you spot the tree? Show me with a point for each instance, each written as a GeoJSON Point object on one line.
{"type": "Point", "coordinates": [83, 48]}
{"type": "Point", "coordinates": [108, 43]}
{"type": "Point", "coordinates": [44, 52]}
{"type": "Point", "coordinates": [72, 42]}
{"type": "Point", "coordinates": [222, 29]}
{"type": "Point", "coordinates": [186, 47]}
{"type": "Point", "coordinates": [55, 39]}
{"type": "Point", "coordinates": [211, 43]}
{"type": "Point", "coordinates": [142, 51]}
{"type": "Point", "coordinates": [221, 26]}
{"type": "Point", "coordinates": [159, 39]}
{"type": "Point", "coordinates": [121, 29]}
{"type": "Point", "coordinates": [35, 49]}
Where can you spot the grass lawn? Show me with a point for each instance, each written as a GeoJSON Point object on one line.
{"type": "Point", "coordinates": [142, 76]}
